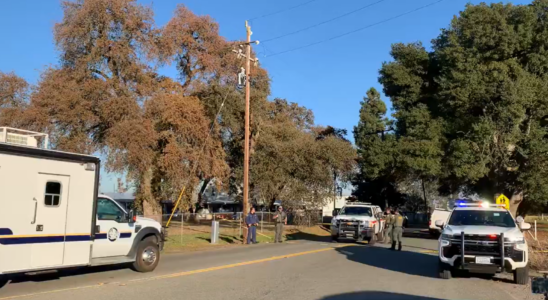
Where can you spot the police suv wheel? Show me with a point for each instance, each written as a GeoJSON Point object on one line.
{"type": "Point", "coordinates": [444, 270]}
{"type": "Point", "coordinates": [521, 276]}
{"type": "Point", "coordinates": [148, 256]}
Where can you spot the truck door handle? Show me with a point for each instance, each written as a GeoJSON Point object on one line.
{"type": "Point", "coordinates": [35, 209]}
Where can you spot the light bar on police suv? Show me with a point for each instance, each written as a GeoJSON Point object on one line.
{"type": "Point", "coordinates": [479, 204]}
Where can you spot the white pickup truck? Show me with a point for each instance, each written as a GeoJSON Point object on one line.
{"type": "Point", "coordinates": [358, 221]}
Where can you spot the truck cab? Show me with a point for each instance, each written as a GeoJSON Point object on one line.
{"type": "Point", "coordinates": [358, 221]}
{"type": "Point", "coordinates": [483, 238]}
{"type": "Point", "coordinates": [118, 235]}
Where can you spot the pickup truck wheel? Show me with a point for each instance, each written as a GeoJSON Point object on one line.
{"type": "Point", "coordinates": [148, 256]}
{"type": "Point", "coordinates": [444, 270]}
{"type": "Point", "coordinates": [521, 276]}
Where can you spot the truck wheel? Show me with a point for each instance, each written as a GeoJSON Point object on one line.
{"type": "Point", "coordinates": [521, 276]}
{"type": "Point", "coordinates": [148, 256]}
{"type": "Point", "coordinates": [3, 281]}
{"type": "Point", "coordinates": [444, 270]}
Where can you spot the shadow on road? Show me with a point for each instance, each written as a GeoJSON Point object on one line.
{"type": "Point", "coordinates": [411, 263]}
{"type": "Point", "coordinates": [376, 295]}
{"type": "Point", "coordinates": [57, 275]}
{"type": "Point", "coordinates": [419, 233]}
{"type": "Point", "coordinates": [299, 235]}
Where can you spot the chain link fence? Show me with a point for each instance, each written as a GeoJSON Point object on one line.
{"type": "Point", "coordinates": [194, 228]}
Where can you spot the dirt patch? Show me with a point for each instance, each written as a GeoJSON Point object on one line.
{"type": "Point", "coordinates": [538, 251]}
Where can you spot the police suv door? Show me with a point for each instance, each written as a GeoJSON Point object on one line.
{"type": "Point", "coordinates": [113, 232]}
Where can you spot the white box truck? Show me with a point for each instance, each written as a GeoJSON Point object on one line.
{"type": "Point", "coordinates": [52, 217]}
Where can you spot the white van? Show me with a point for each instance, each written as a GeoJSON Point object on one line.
{"type": "Point", "coordinates": [51, 216]}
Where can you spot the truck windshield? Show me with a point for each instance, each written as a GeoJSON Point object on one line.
{"type": "Point", "coordinates": [481, 218]}
{"type": "Point", "coordinates": [360, 211]}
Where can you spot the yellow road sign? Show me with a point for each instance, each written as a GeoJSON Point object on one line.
{"type": "Point", "coordinates": [503, 200]}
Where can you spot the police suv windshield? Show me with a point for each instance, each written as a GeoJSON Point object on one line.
{"type": "Point", "coordinates": [356, 211]}
{"type": "Point", "coordinates": [481, 218]}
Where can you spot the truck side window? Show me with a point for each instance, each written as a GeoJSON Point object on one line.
{"type": "Point", "coordinates": [52, 196]}
{"type": "Point", "coordinates": [107, 210]}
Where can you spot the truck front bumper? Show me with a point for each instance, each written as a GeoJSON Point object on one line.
{"type": "Point", "coordinates": [483, 258]}
{"type": "Point", "coordinates": [353, 233]}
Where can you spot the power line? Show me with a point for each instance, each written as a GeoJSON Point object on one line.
{"type": "Point", "coordinates": [282, 10]}
{"type": "Point", "coordinates": [357, 30]}
{"type": "Point", "coordinates": [324, 22]}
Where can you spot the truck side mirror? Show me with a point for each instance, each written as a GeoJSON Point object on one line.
{"type": "Point", "coordinates": [524, 226]}
{"type": "Point", "coordinates": [131, 216]}
{"type": "Point", "coordinates": [439, 223]}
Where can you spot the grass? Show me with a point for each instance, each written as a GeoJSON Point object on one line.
{"type": "Point", "coordinates": [540, 220]}
{"type": "Point", "coordinates": [197, 239]}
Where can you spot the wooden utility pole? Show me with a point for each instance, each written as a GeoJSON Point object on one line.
{"type": "Point", "coordinates": [248, 60]}
{"type": "Point", "coordinates": [247, 131]}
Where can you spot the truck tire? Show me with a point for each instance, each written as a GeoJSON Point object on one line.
{"type": "Point", "coordinates": [147, 256]}
{"type": "Point", "coordinates": [444, 270]}
{"type": "Point", "coordinates": [3, 281]}
{"type": "Point", "coordinates": [521, 276]}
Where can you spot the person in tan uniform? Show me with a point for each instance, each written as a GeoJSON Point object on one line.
{"type": "Point", "coordinates": [280, 218]}
{"type": "Point", "coordinates": [389, 217]}
{"type": "Point", "coordinates": [397, 232]}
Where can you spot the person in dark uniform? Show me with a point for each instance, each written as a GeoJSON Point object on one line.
{"type": "Point", "coordinates": [252, 221]}
{"type": "Point", "coordinates": [397, 232]}
{"type": "Point", "coordinates": [280, 217]}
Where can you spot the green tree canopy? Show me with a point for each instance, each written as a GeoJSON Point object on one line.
{"type": "Point", "coordinates": [473, 111]}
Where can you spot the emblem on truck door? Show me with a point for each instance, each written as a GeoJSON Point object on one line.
{"type": "Point", "coordinates": [112, 234]}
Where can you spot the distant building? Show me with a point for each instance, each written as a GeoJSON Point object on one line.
{"type": "Point", "coordinates": [126, 200]}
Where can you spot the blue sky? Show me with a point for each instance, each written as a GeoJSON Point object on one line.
{"type": "Point", "coordinates": [330, 78]}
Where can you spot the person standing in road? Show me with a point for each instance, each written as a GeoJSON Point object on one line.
{"type": "Point", "coordinates": [280, 218]}
{"type": "Point", "coordinates": [389, 217]}
{"type": "Point", "coordinates": [252, 221]}
{"type": "Point", "coordinates": [397, 231]}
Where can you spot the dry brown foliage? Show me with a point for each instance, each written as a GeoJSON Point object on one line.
{"type": "Point", "coordinates": [106, 96]}
{"type": "Point", "coordinates": [14, 98]}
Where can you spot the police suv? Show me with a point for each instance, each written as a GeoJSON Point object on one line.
{"type": "Point", "coordinates": [358, 221]}
{"type": "Point", "coordinates": [483, 238]}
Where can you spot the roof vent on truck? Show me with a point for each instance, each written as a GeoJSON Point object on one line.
{"type": "Point", "coordinates": [23, 137]}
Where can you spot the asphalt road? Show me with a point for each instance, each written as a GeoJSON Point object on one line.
{"type": "Point", "coordinates": [298, 270]}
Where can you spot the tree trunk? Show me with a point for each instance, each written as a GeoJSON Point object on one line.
{"type": "Point", "coordinates": [515, 201]}
{"type": "Point", "coordinates": [151, 208]}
